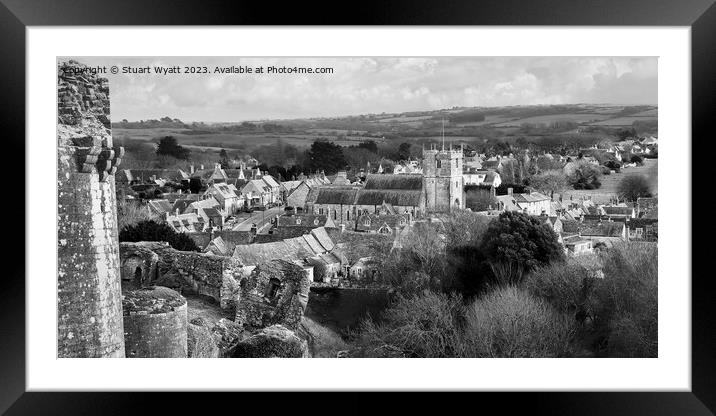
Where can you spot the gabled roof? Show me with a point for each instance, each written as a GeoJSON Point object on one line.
{"type": "Point", "coordinates": [160, 206]}
{"type": "Point", "coordinates": [322, 236]}
{"type": "Point", "coordinates": [218, 247]}
{"type": "Point", "coordinates": [256, 185]}
{"type": "Point", "coordinates": [203, 204]}
{"type": "Point", "coordinates": [182, 205]}
{"type": "Point", "coordinates": [531, 197]}
{"type": "Point", "coordinates": [612, 210]}
{"type": "Point", "coordinates": [301, 247]}
{"type": "Point", "coordinates": [491, 164]}
{"type": "Point", "coordinates": [270, 181]}
{"type": "Point", "coordinates": [212, 212]}
{"type": "Point", "coordinates": [185, 222]}
{"type": "Point", "coordinates": [373, 222]}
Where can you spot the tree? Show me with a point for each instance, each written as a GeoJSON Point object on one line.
{"type": "Point", "coordinates": [584, 175]}
{"type": "Point", "coordinates": [633, 187]}
{"type": "Point", "coordinates": [369, 145]}
{"type": "Point", "coordinates": [550, 181]}
{"type": "Point", "coordinates": [517, 243]}
{"type": "Point", "coordinates": [169, 146]}
{"type": "Point", "coordinates": [327, 156]}
{"type": "Point", "coordinates": [404, 151]}
{"type": "Point", "coordinates": [195, 185]}
{"type": "Point", "coordinates": [636, 159]}
{"type": "Point", "coordinates": [224, 159]}
{"type": "Point", "coordinates": [479, 198]}
{"type": "Point", "coordinates": [153, 231]}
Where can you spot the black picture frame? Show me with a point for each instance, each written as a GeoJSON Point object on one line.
{"type": "Point", "coordinates": [16, 15]}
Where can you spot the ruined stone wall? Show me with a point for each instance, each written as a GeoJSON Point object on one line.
{"type": "Point", "coordinates": [88, 283]}
{"type": "Point", "coordinates": [259, 306]}
{"type": "Point", "coordinates": [190, 272]}
{"type": "Point", "coordinates": [155, 323]}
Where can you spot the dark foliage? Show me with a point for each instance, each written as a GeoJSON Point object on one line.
{"type": "Point", "coordinates": [520, 240]}
{"type": "Point", "coordinates": [326, 156]}
{"type": "Point", "coordinates": [168, 146]}
{"type": "Point", "coordinates": [153, 231]}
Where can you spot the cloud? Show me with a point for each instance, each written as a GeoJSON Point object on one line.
{"type": "Point", "coordinates": [373, 85]}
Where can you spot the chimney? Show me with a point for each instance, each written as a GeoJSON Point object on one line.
{"type": "Point", "coordinates": [176, 211]}
{"type": "Point", "coordinates": [509, 191]}
{"type": "Point", "coordinates": [191, 168]}
{"type": "Point", "coordinates": [201, 166]}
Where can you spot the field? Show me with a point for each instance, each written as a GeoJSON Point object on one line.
{"type": "Point", "coordinates": [611, 182]}
{"type": "Point", "coordinates": [218, 140]}
{"type": "Point", "coordinates": [499, 122]}
{"type": "Point", "coordinates": [548, 119]}
{"type": "Point", "coordinates": [623, 121]}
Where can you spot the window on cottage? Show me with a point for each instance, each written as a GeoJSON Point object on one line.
{"type": "Point", "coordinates": [366, 222]}
{"type": "Point", "coordinates": [298, 221]}
{"type": "Point", "coordinates": [438, 164]}
{"type": "Point", "coordinates": [138, 274]}
{"type": "Point", "coordinates": [272, 288]}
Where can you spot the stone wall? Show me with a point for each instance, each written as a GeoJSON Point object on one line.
{"type": "Point", "coordinates": [190, 272]}
{"type": "Point", "coordinates": [276, 292]}
{"type": "Point", "coordinates": [88, 279]}
{"type": "Point", "coordinates": [155, 323]}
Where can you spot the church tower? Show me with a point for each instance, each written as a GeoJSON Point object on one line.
{"type": "Point", "coordinates": [442, 179]}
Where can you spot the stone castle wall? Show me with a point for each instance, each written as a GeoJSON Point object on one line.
{"type": "Point", "coordinates": [155, 323]}
{"type": "Point", "coordinates": [88, 281]}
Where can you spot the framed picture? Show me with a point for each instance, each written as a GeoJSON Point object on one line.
{"type": "Point", "coordinates": [431, 198]}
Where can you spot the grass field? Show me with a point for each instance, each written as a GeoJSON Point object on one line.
{"type": "Point", "coordinates": [622, 121]}
{"type": "Point", "coordinates": [548, 119]}
{"type": "Point", "coordinates": [217, 141]}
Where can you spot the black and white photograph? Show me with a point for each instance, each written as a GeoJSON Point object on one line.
{"type": "Point", "coordinates": [358, 207]}
{"type": "Point", "coordinates": [421, 197]}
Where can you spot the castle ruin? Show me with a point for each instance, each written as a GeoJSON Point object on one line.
{"type": "Point", "coordinates": [88, 280]}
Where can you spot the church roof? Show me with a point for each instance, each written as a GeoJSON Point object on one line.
{"type": "Point", "coordinates": [388, 181]}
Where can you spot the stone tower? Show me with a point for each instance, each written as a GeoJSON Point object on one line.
{"type": "Point", "coordinates": [442, 180]}
{"type": "Point", "coordinates": [89, 316]}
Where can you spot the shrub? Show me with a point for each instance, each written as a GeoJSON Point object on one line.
{"type": "Point", "coordinates": [152, 231]}
{"type": "Point", "coordinates": [509, 322]}
{"type": "Point", "coordinates": [567, 286]}
{"type": "Point", "coordinates": [131, 213]}
{"type": "Point", "coordinates": [425, 325]}
{"type": "Point", "coordinates": [627, 317]}
{"type": "Point", "coordinates": [633, 187]}
{"type": "Point", "coordinates": [322, 342]}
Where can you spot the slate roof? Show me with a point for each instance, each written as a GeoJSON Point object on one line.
{"type": "Point", "coordinates": [394, 182]}
{"type": "Point", "coordinates": [375, 221]}
{"type": "Point", "coordinates": [302, 220]}
{"type": "Point", "coordinates": [182, 205]}
{"type": "Point", "coordinates": [393, 197]}
{"type": "Point", "coordinates": [336, 196]}
{"type": "Point", "coordinates": [531, 197]}
{"type": "Point", "coordinates": [603, 229]}
{"type": "Point", "coordinates": [305, 246]}
{"type": "Point", "coordinates": [160, 206]}
{"type": "Point", "coordinates": [611, 210]}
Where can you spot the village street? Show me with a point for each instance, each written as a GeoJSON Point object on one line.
{"type": "Point", "coordinates": [259, 218]}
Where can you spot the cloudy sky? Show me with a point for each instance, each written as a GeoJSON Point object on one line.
{"type": "Point", "coordinates": [371, 85]}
